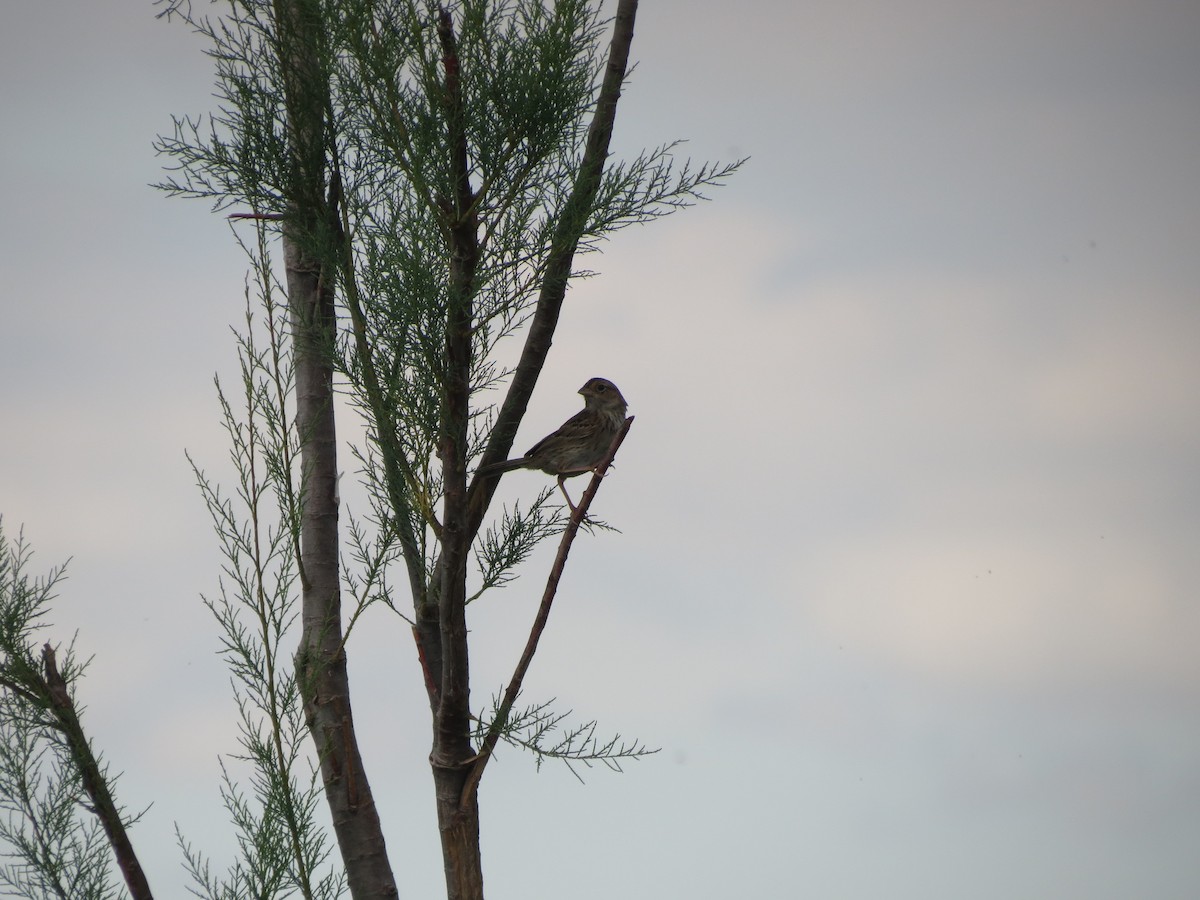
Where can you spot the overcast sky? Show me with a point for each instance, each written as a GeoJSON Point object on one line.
{"type": "Point", "coordinates": [908, 584]}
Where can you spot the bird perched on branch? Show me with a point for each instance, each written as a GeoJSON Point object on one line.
{"type": "Point", "coordinates": [580, 443]}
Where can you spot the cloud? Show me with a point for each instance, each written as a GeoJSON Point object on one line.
{"type": "Point", "coordinates": [939, 470]}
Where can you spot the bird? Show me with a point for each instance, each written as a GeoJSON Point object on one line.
{"type": "Point", "coordinates": [580, 443]}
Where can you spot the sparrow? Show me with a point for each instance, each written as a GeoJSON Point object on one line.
{"type": "Point", "coordinates": [580, 443]}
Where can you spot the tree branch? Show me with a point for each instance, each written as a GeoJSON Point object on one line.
{"type": "Point", "coordinates": [453, 710]}
{"type": "Point", "coordinates": [539, 622]}
{"type": "Point", "coordinates": [458, 823]}
{"type": "Point", "coordinates": [397, 472]}
{"type": "Point", "coordinates": [62, 708]}
{"type": "Point", "coordinates": [564, 243]}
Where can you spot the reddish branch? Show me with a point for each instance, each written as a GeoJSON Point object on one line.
{"type": "Point", "coordinates": [539, 622]}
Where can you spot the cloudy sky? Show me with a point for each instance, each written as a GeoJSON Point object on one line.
{"type": "Point", "coordinates": [908, 584]}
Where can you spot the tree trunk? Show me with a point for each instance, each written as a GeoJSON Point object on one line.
{"type": "Point", "coordinates": [321, 660]}
{"type": "Point", "coordinates": [310, 246]}
{"type": "Point", "coordinates": [449, 680]}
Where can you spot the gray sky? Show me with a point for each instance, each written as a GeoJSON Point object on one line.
{"type": "Point", "coordinates": [908, 580]}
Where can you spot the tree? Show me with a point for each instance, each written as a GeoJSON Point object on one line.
{"type": "Point", "coordinates": [432, 176]}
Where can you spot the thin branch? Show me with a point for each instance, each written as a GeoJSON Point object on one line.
{"type": "Point", "coordinates": [396, 469]}
{"type": "Point", "coordinates": [543, 616]}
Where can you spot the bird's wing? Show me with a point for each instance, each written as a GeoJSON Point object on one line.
{"type": "Point", "coordinates": [574, 429]}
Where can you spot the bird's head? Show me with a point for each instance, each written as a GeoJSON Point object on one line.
{"type": "Point", "coordinates": [600, 393]}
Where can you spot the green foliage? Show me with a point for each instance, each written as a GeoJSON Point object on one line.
{"type": "Point", "coordinates": [426, 166]}
{"type": "Point", "coordinates": [56, 849]}
{"type": "Point", "coordinates": [529, 77]}
{"type": "Point", "coordinates": [546, 734]}
{"type": "Point", "coordinates": [509, 543]}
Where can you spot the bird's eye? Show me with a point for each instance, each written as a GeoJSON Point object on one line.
{"type": "Point", "coordinates": [601, 387]}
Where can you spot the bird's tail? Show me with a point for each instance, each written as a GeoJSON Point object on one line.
{"type": "Point", "coordinates": [506, 466]}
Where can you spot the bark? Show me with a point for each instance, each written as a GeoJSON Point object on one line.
{"type": "Point", "coordinates": [321, 660]}
{"type": "Point", "coordinates": [310, 240]}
